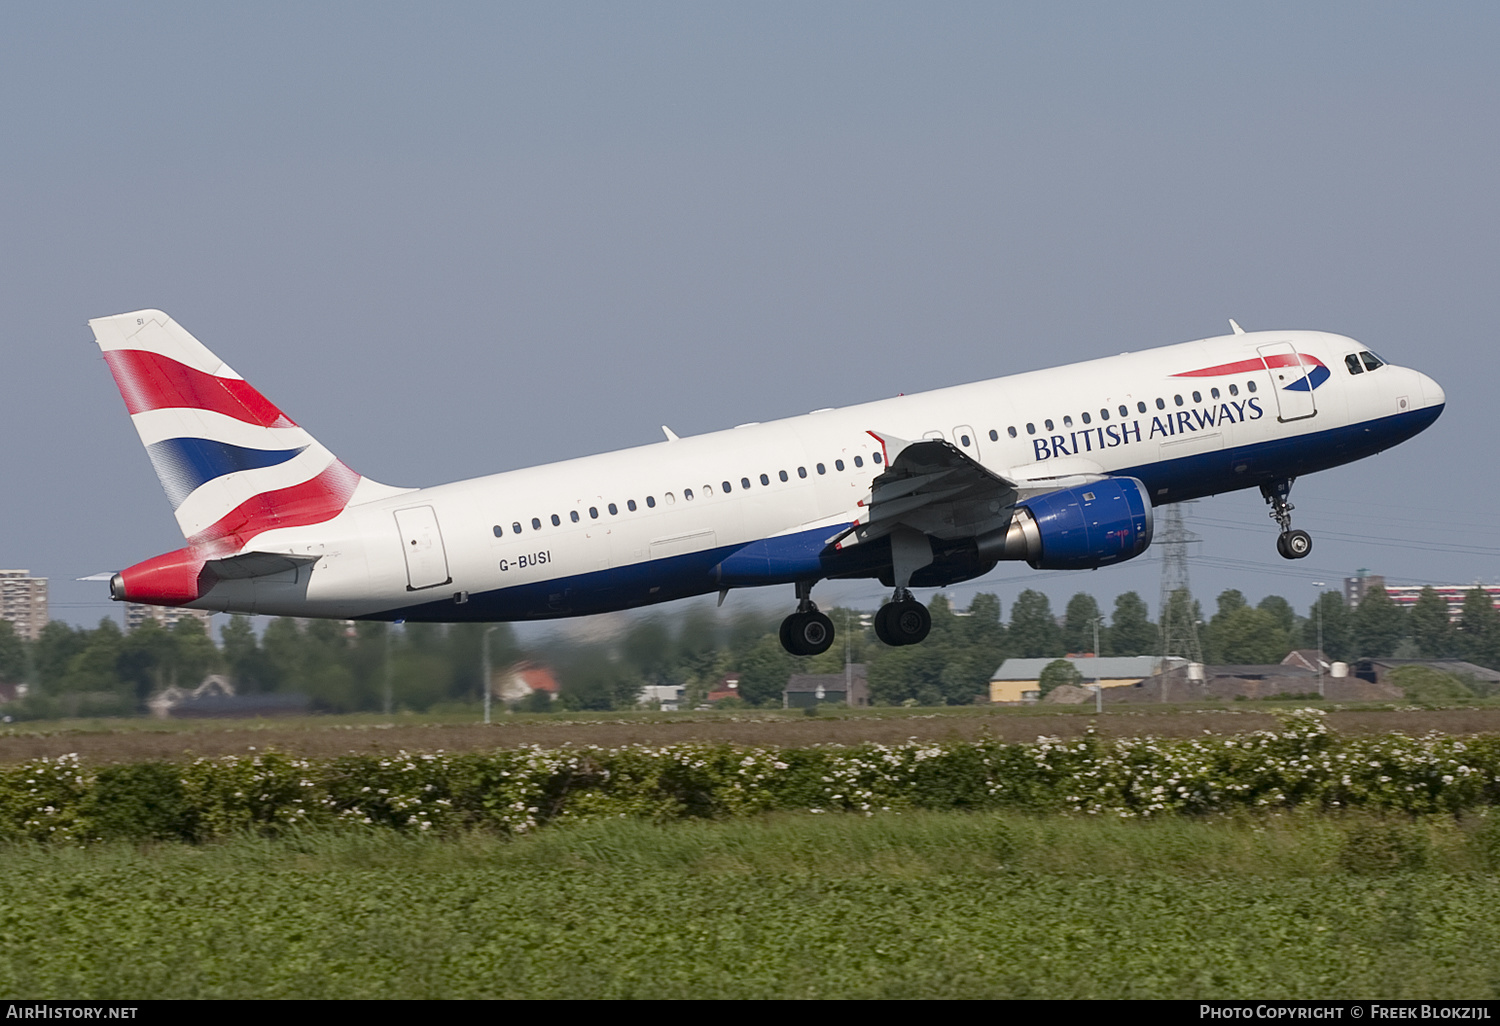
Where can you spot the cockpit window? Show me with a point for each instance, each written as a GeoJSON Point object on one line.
{"type": "Point", "coordinates": [1352, 362]}
{"type": "Point", "coordinates": [1371, 360]}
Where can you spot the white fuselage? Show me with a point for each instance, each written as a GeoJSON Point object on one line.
{"type": "Point", "coordinates": [648, 524]}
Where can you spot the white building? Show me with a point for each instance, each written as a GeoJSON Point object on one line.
{"type": "Point", "coordinates": [166, 616]}
{"type": "Point", "coordinates": [669, 695]}
{"type": "Point", "coordinates": [23, 601]}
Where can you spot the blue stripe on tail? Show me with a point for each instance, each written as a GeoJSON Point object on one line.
{"type": "Point", "coordinates": [185, 463]}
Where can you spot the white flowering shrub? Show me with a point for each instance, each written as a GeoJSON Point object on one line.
{"type": "Point", "coordinates": [41, 800]}
{"type": "Point", "coordinates": [262, 793]}
{"type": "Point", "coordinates": [1301, 765]}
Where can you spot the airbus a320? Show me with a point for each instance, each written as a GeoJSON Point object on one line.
{"type": "Point", "coordinates": [1057, 468]}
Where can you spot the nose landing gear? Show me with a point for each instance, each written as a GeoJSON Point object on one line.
{"type": "Point", "coordinates": [806, 632]}
{"type": "Point", "coordinates": [1291, 544]}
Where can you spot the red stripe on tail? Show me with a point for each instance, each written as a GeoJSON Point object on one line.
{"type": "Point", "coordinates": [150, 381]}
{"type": "Point", "coordinates": [311, 502]}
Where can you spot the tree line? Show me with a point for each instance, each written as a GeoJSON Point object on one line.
{"type": "Point", "coordinates": [344, 667]}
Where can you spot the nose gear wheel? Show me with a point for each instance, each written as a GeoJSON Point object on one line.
{"type": "Point", "coordinates": [1289, 543]}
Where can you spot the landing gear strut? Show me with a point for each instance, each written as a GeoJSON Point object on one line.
{"type": "Point", "coordinates": [807, 631]}
{"type": "Point", "coordinates": [903, 620]}
{"type": "Point", "coordinates": [1291, 544]}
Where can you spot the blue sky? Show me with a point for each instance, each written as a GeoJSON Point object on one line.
{"type": "Point", "coordinates": [454, 239]}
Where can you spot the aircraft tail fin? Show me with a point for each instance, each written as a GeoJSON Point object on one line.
{"type": "Point", "coordinates": [232, 464]}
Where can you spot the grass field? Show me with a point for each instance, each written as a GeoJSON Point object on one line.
{"type": "Point", "coordinates": [913, 906]}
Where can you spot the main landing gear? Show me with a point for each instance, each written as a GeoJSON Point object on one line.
{"type": "Point", "coordinates": [1291, 544]}
{"type": "Point", "coordinates": [806, 632]}
{"type": "Point", "coordinates": [903, 620]}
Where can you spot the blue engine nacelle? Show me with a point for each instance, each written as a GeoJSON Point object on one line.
{"type": "Point", "coordinates": [1079, 528]}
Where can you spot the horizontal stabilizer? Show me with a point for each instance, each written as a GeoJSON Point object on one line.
{"type": "Point", "coordinates": [256, 564]}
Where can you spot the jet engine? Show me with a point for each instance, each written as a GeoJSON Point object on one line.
{"type": "Point", "coordinates": [1080, 528]}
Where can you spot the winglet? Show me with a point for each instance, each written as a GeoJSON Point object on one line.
{"type": "Point", "coordinates": [1237, 329]}
{"type": "Point", "coordinates": [671, 435]}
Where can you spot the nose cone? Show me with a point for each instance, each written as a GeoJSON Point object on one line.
{"type": "Point", "coordinates": [1432, 393]}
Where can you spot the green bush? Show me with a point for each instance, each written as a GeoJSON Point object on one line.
{"type": "Point", "coordinates": [1383, 847]}
{"type": "Point", "coordinates": [140, 802]}
{"type": "Point", "coordinates": [1424, 684]}
{"type": "Point", "coordinates": [1485, 841]}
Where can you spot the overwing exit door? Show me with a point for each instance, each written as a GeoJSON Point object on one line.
{"type": "Point", "coordinates": [422, 544]}
{"type": "Point", "coordinates": [967, 439]}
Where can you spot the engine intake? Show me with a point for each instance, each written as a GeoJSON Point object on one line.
{"type": "Point", "coordinates": [1079, 528]}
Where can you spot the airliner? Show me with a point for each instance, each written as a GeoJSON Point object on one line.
{"type": "Point", "coordinates": [1058, 468]}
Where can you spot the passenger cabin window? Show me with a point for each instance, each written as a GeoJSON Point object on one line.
{"type": "Point", "coordinates": [995, 435]}
{"type": "Point", "coordinates": [1031, 429]}
{"type": "Point", "coordinates": [727, 488]}
{"type": "Point", "coordinates": [1086, 418]}
{"type": "Point", "coordinates": [764, 480]}
{"type": "Point", "coordinates": [745, 483]}
{"type": "Point", "coordinates": [1214, 392]}
{"type": "Point", "coordinates": [859, 461]}
{"type": "Point", "coordinates": [614, 510]}
{"type": "Point", "coordinates": [669, 498]}
{"type": "Point", "coordinates": [516, 527]}
{"type": "Point", "coordinates": [573, 515]}
{"type": "Point", "coordinates": [1161, 404]}
{"type": "Point", "coordinates": [1197, 397]}
{"type": "Point", "coordinates": [593, 512]}
{"type": "Point", "coordinates": [1104, 413]}
{"type": "Point", "coordinates": [1371, 360]}
{"type": "Point", "coordinates": [556, 520]}
{"type": "Point", "coordinates": [1177, 399]}
{"type": "Point", "coordinates": [1234, 389]}
{"type": "Point", "coordinates": [801, 471]}
{"type": "Point", "coordinates": [630, 504]}
{"type": "Point", "coordinates": [1352, 362]}
{"type": "Point", "coordinates": [822, 469]}
{"type": "Point", "coordinates": [1011, 431]}
{"type": "Point", "coordinates": [877, 457]}
{"type": "Point", "coordinates": [650, 502]}
{"type": "Point", "coordinates": [1250, 385]}
{"type": "Point", "coordinates": [1048, 423]}
{"type": "Point", "coordinates": [838, 464]}
{"type": "Point", "coordinates": [536, 523]}
{"type": "Point", "coordinates": [1068, 421]}
{"type": "Point", "coordinates": [687, 493]}
{"type": "Point", "coordinates": [1139, 406]}
{"type": "Point", "coordinates": [782, 475]}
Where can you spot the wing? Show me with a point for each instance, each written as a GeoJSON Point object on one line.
{"type": "Point", "coordinates": [931, 486]}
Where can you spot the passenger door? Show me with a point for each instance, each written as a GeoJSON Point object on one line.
{"type": "Point", "coordinates": [422, 544]}
{"type": "Point", "coordinates": [1289, 380]}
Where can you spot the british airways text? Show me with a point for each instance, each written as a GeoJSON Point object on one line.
{"type": "Point", "coordinates": [1108, 436]}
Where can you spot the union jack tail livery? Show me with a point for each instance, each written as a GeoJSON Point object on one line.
{"type": "Point", "coordinates": [232, 464]}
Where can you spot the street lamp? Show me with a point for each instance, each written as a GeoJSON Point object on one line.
{"type": "Point", "coordinates": [1319, 607]}
{"type": "Point", "coordinates": [485, 682]}
{"type": "Point", "coordinates": [1098, 688]}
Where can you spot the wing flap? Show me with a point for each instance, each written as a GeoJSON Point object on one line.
{"type": "Point", "coordinates": [933, 487]}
